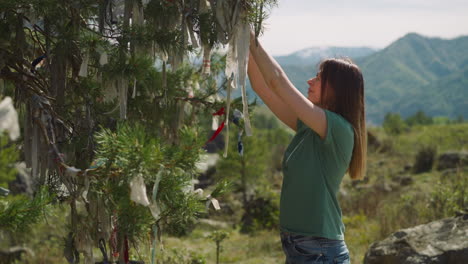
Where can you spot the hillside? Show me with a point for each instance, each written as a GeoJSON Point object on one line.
{"type": "Point", "coordinates": [413, 73]}
{"type": "Point", "coordinates": [417, 73]}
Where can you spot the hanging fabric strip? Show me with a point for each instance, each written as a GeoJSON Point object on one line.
{"type": "Point", "coordinates": [164, 81]}
{"type": "Point", "coordinates": [126, 255]}
{"type": "Point", "coordinates": [231, 63]}
{"type": "Point", "coordinates": [193, 38]}
{"type": "Point", "coordinates": [220, 128]}
{"type": "Point", "coordinates": [215, 119]}
{"type": "Point", "coordinates": [138, 191]}
{"type": "Point", "coordinates": [9, 118]}
{"type": "Point", "coordinates": [206, 68]}
{"type": "Point", "coordinates": [155, 210]}
{"type": "Point", "coordinates": [84, 65]}
{"type": "Point", "coordinates": [213, 201]}
{"type": "Point", "coordinates": [240, 146]}
{"type": "Point", "coordinates": [237, 116]}
{"type": "Point", "coordinates": [122, 85]}
{"type": "Point", "coordinates": [103, 60]}
{"type": "Point", "coordinates": [216, 132]}
{"type": "Point", "coordinates": [232, 76]}
{"type": "Point", "coordinates": [243, 40]}
{"type": "Point", "coordinates": [215, 123]}
{"type": "Point", "coordinates": [189, 89]}
{"type": "Point", "coordinates": [111, 91]}
{"type": "Point", "coordinates": [113, 238]}
{"type": "Point", "coordinates": [227, 15]}
{"type": "Point", "coordinates": [228, 106]}
{"type": "Point", "coordinates": [134, 87]}
{"type": "Point", "coordinates": [84, 195]}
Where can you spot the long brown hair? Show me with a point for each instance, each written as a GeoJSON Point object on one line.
{"type": "Point", "coordinates": [343, 93]}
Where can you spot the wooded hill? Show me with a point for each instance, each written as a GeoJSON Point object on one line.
{"type": "Point", "coordinates": [413, 73]}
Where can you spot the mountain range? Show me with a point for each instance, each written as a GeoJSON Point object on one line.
{"type": "Point", "coordinates": [413, 73]}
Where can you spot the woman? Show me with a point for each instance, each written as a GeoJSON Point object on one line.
{"type": "Point", "coordinates": [330, 141]}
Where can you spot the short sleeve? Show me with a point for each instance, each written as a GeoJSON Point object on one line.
{"type": "Point", "coordinates": [338, 130]}
{"type": "Point", "coordinates": [299, 125]}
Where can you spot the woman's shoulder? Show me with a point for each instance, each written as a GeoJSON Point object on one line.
{"type": "Point", "coordinates": [340, 128]}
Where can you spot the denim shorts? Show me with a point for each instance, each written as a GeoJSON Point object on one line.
{"type": "Point", "coordinates": [308, 249]}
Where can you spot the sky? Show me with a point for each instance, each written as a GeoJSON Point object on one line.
{"type": "Point", "coordinates": [297, 24]}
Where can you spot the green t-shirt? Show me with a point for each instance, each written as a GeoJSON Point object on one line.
{"type": "Point", "coordinates": [312, 172]}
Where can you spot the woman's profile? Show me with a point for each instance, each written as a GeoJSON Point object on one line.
{"type": "Point", "coordinates": [330, 141]}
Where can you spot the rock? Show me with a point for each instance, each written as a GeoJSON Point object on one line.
{"type": "Point", "coordinates": [403, 180]}
{"type": "Point", "coordinates": [442, 241]}
{"type": "Point", "coordinates": [385, 186]}
{"type": "Point", "coordinates": [407, 168]}
{"type": "Point", "coordinates": [206, 168]}
{"type": "Point", "coordinates": [23, 182]}
{"type": "Point", "coordinates": [451, 160]}
{"type": "Point", "coordinates": [12, 255]}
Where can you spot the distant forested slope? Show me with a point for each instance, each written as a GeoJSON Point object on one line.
{"type": "Point", "coordinates": [413, 73]}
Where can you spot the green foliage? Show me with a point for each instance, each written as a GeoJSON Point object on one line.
{"type": "Point", "coordinates": [261, 213]}
{"type": "Point", "coordinates": [447, 137]}
{"type": "Point", "coordinates": [218, 236]}
{"type": "Point", "coordinates": [182, 256]}
{"type": "Point", "coordinates": [393, 124]}
{"type": "Point", "coordinates": [162, 148]}
{"type": "Point", "coordinates": [401, 212]}
{"type": "Point", "coordinates": [419, 118]}
{"type": "Point", "coordinates": [246, 171]}
{"type": "Point", "coordinates": [450, 196]}
{"type": "Point", "coordinates": [8, 157]}
{"type": "Point", "coordinates": [263, 121]}
{"type": "Point", "coordinates": [222, 188]}
{"type": "Point", "coordinates": [18, 213]}
{"type": "Point", "coordinates": [130, 152]}
{"type": "Point", "coordinates": [362, 223]}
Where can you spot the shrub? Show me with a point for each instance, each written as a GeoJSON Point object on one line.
{"type": "Point", "coordinates": [425, 159]}
{"type": "Point", "coordinates": [449, 197]}
{"type": "Point", "coordinates": [393, 124]}
{"type": "Point", "coordinates": [261, 212]}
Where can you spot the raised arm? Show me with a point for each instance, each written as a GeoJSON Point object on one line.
{"type": "Point", "coordinates": [275, 78]}
{"type": "Point", "coordinates": [276, 105]}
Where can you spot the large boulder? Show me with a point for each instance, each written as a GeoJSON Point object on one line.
{"type": "Point", "coordinates": [23, 182]}
{"type": "Point", "coordinates": [450, 160]}
{"type": "Point", "coordinates": [442, 241]}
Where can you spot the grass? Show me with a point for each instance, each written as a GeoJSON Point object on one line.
{"type": "Point", "coordinates": [369, 212]}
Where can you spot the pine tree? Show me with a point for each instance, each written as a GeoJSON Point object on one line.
{"type": "Point", "coordinates": [114, 112]}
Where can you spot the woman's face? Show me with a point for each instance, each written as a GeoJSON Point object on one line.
{"type": "Point", "coordinates": [315, 89]}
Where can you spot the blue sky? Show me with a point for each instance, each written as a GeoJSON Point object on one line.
{"type": "Point", "coordinates": [298, 24]}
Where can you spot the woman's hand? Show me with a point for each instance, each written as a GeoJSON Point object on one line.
{"type": "Point", "coordinates": [252, 38]}
{"type": "Point", "coordinates": [276, 80]}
